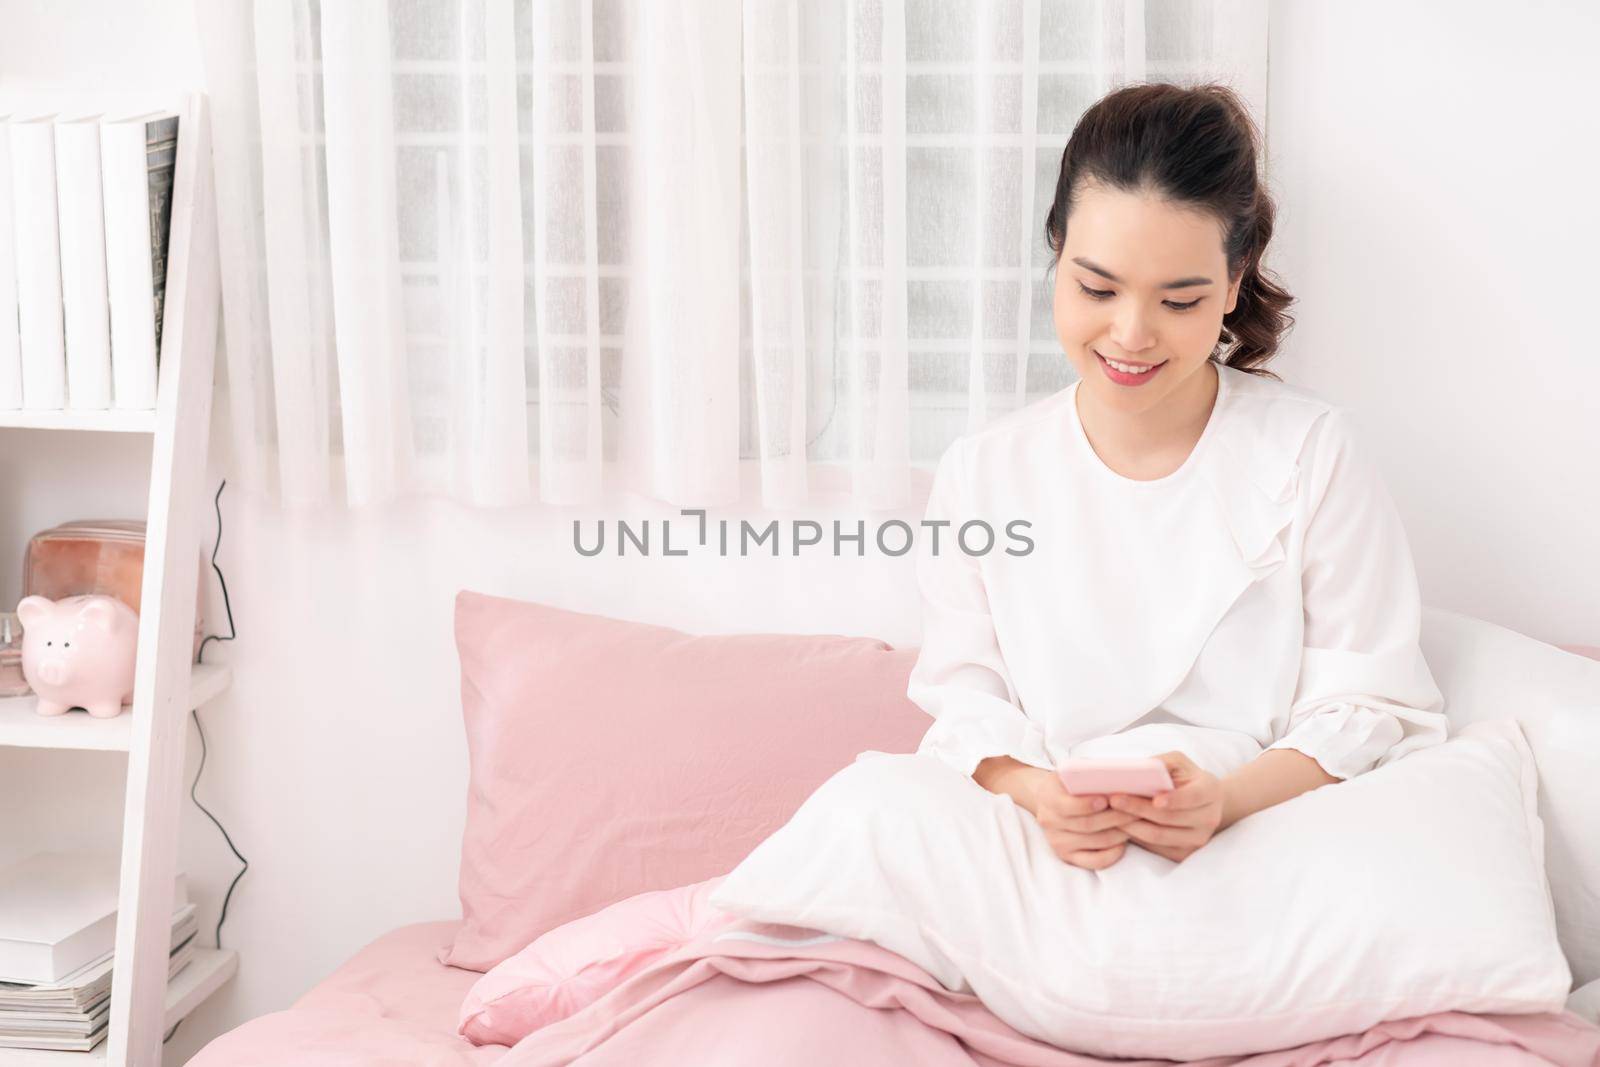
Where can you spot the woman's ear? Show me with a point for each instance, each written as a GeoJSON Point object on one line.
{"type": "Point", "coordinates": [1233, 295]}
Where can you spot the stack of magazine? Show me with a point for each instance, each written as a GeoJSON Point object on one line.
{"type": "Point", "coordinates": [57, 930]}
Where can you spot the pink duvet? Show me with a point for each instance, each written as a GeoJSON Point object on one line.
{"type": "Point", "coordinates": [776, 996]}
{"type": "Point", "coordinates": [755, 992]}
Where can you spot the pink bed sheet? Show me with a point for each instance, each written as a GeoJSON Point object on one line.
{"type": "Point", "coordinates": [392, 1003]}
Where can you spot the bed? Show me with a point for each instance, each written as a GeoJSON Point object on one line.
{"type": "Point", "coordinates": [398, 1002]}
{"type": "Point", "coordinates": [395, 1003]}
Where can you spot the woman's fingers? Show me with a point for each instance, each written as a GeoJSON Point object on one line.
{"type": "Point", "coordinates": [1179, 766]}
{"type": "Point", "coordinates": [1096, 859]}
{"type": "Point", "coordinates": [1144, 808]}
{"type": "Point", "coordinates": [1088, 824]}
{"type": "Point", "coordinates": [1103, 839]}
{"type": "Point", "coordinates": [1150, 833]}
{"type": "Point", "coordinates": [1066, 803]}
{"type": "Point", "coordinates": [1188, 796]}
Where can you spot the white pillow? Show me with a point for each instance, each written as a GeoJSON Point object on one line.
{"type": "Point", "coordinates": [1416, 887]}
{"type": "Point", "coordinates": [1585, 1002]}
{"type": "Point", "coordinates": [1486, 671]}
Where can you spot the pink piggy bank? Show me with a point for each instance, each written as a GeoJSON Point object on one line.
{"type": "Point", "coordinates": [79, 652]}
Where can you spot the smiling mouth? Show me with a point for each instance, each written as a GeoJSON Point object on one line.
{"type": "Point", "coordinates": [1126, 362]}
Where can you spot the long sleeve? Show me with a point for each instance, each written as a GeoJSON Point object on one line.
{"type": "Point", "coordinates": [960, 677]}
{"type": "Point", "coordinates": [1365, 695]}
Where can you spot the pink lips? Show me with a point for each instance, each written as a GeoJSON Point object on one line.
{"type": "Point", "coordinates": [1123, 378]}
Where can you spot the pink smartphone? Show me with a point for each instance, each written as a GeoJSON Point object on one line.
{"type": "Point", "coordinates": [1139, 777]}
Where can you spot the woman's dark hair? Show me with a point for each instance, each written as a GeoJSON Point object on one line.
{"type": "Point", "coordinates": [1196, 147]}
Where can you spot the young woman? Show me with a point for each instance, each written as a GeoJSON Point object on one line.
{"type": "Point", "coordinates": [1219, 576]}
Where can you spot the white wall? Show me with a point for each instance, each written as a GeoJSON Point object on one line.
{"type": "Point", "coordinates": [1433, 267]}
{"type": "Point", "coordinates": [1435, 165]}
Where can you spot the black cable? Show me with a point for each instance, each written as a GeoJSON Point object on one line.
{"type": "Point", "coordinates": [244, 863]}
{"type": "Point", "coordinates": [195, 712]}
{"type": "Point", "coordinates": [200, 653]}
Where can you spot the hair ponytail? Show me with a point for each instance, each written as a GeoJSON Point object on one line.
{"type": "Point", "coordinates": [1252, 330]}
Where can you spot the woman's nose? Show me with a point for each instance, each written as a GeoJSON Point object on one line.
{"type": "Point", "coordinates": [1130, 330]}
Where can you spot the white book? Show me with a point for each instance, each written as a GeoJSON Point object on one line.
{"type": "Point", "coordinates": [10, 340]}
{"type": "Point", "coordinates": [81, 216]}
{"type": "Point", "coordinates": [89, 985]}
{"type": "Point", "coordinates": [137, 156]}
{"type": "Point", "coordinates": [58, 912]}
{"type": "Point", "coordinates": [67, 1019]}
{"type": "Point", "coordinates": [39, 318]}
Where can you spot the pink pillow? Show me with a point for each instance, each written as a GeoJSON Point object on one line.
{"type": "Point", "coordinates": [609, 758]}
{"type": "Point", "coordinates": [574, 965]}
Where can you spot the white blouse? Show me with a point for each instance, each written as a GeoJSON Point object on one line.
{"type": "Point", "coordinates": [1261, 596]}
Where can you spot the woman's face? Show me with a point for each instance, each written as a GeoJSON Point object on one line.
{"type": "Point", "coordinates": [1114, 300]}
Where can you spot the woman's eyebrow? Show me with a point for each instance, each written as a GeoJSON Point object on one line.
{"type": "Point", "coordinates": [1181, 283]}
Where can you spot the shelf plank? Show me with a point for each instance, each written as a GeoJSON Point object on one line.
{"type": "Point", "coordinates": [186, 991]}
{"type": "Point", "coordinates": [205, 974]}
{"type": "Point", "coordinates": [22, 726]}
{"type": "Point", "coordinates": [100, 421]}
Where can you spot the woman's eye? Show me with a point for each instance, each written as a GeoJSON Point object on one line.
{"type": "Point", "coordinates": [1101, 294]}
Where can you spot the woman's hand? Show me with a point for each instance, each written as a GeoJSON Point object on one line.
{"type": "Point", "coordinates": [1175, 824]}
{"type": "Point", "coordinates": [1083, 830]}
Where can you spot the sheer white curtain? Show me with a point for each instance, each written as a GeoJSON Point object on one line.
{"type": "Point", "coordinates": [643, 245]}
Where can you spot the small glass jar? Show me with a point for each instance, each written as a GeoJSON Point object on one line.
{"type": "Point", "coordinates": [12, 683]}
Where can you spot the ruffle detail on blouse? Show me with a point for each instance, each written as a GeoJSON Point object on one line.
{"type": "Point", "coordinates": [1254, 473]}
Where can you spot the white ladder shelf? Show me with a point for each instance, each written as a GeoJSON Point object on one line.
{"type": "Point", "coordinates": [144, 1006]}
